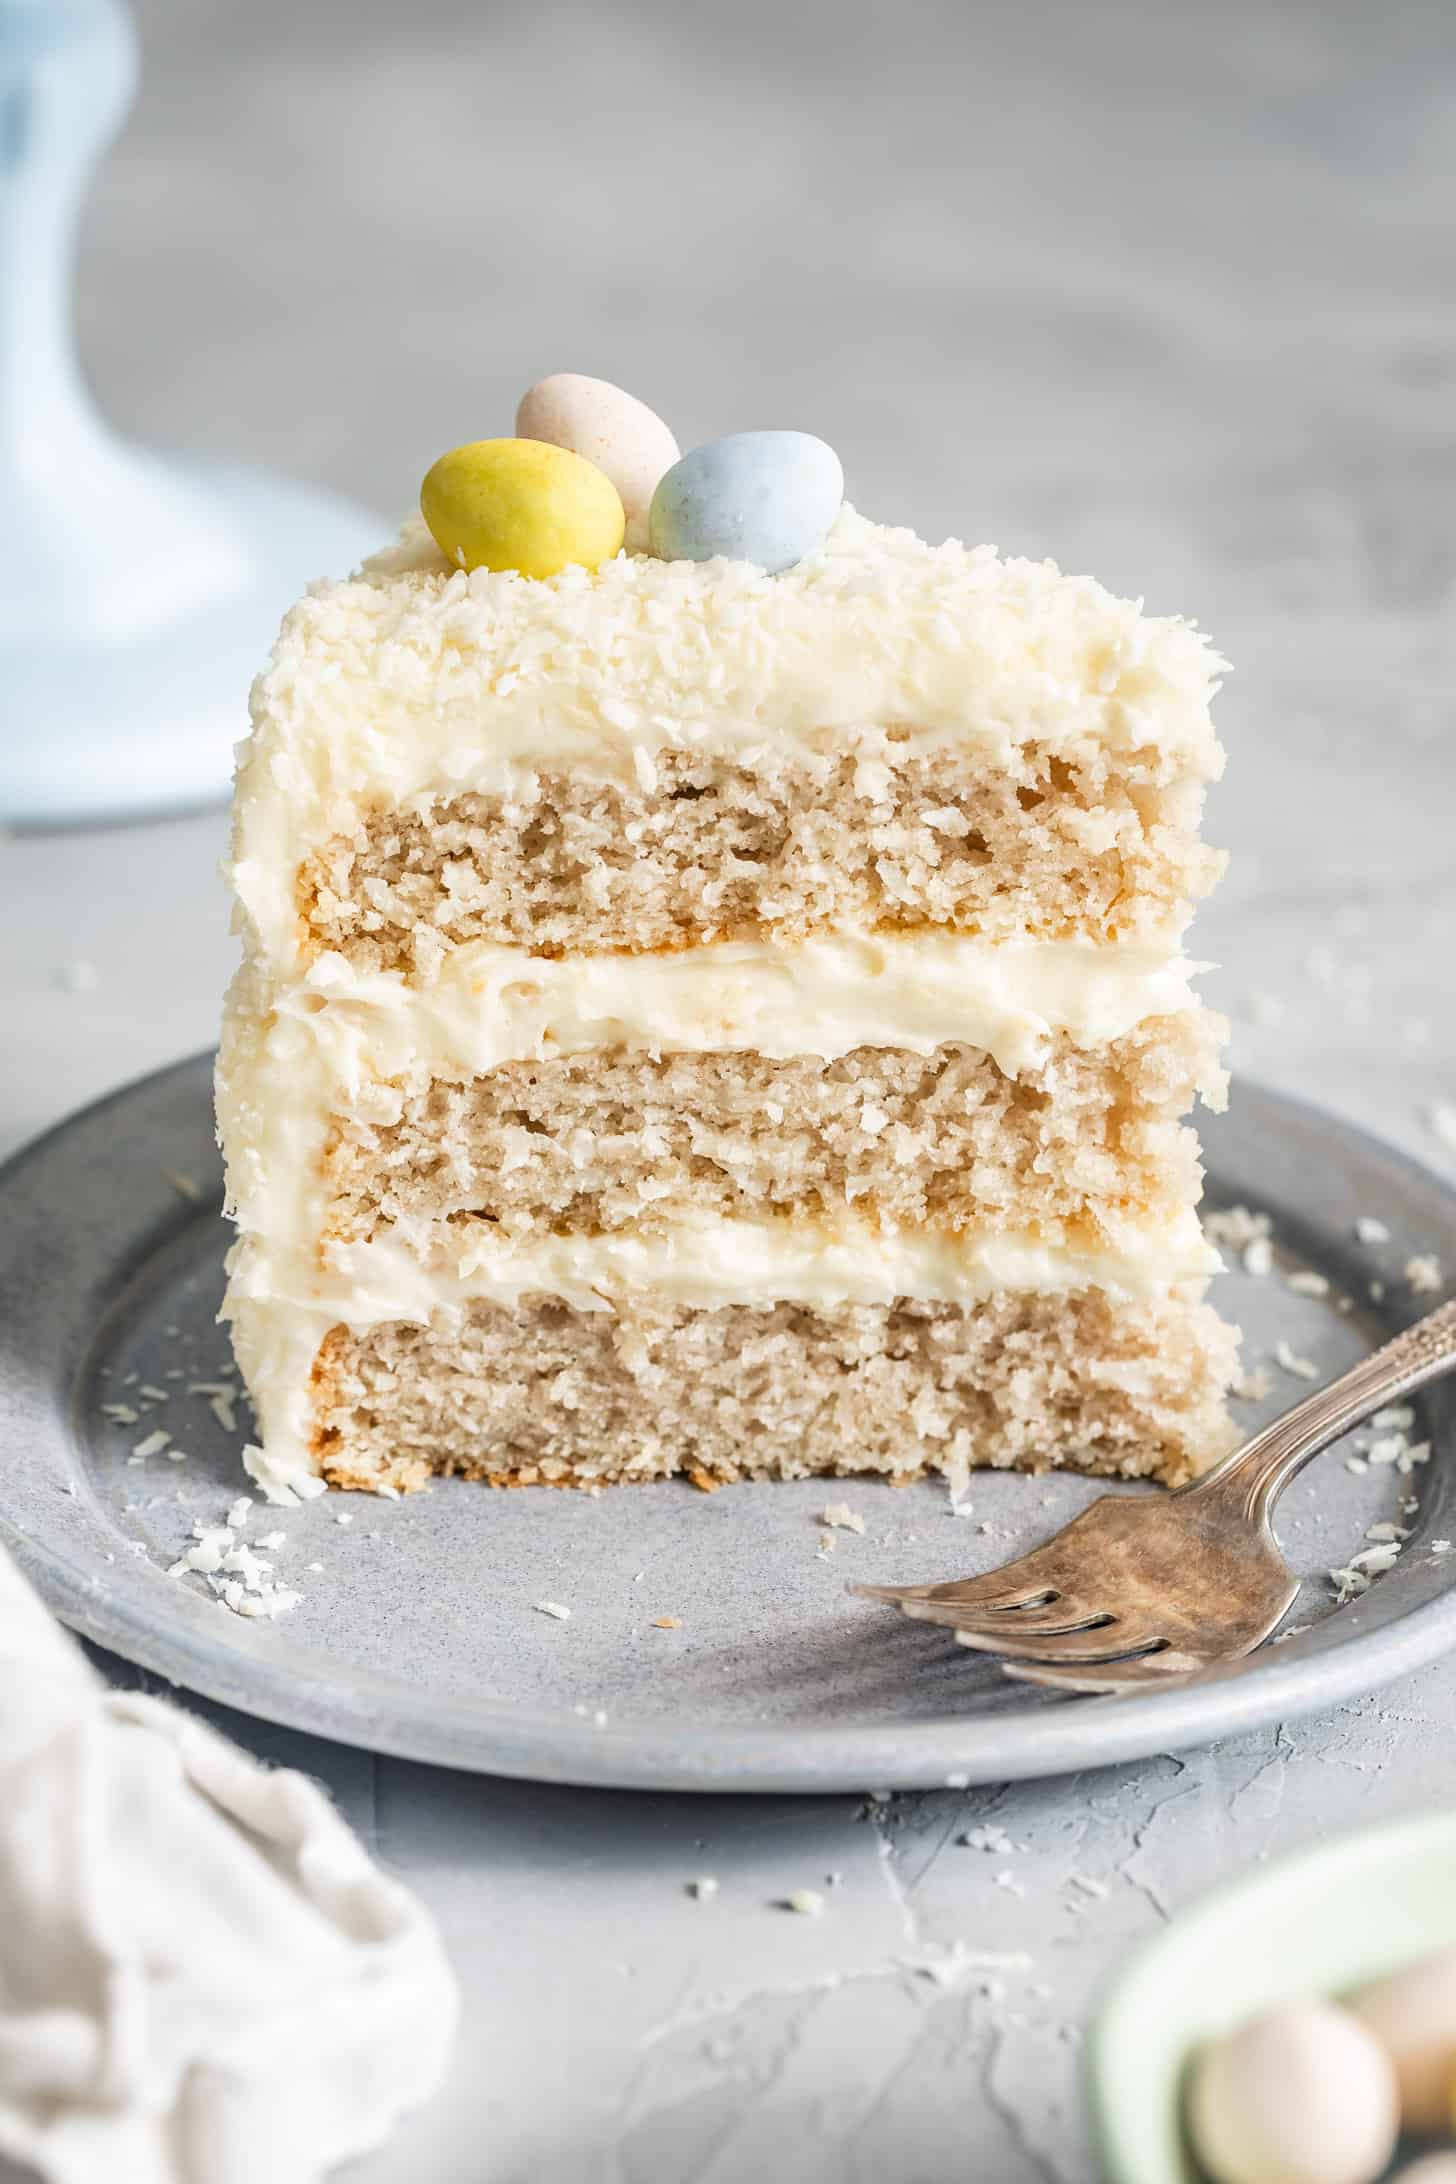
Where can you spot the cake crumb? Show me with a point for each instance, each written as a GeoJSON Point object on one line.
{"type": "Point", "coordinates": [120, 1414]}
{"type": "Point", "coordinates": [554, 1609]}
{"type": "Point", "coordinates": [1397, 1418]}
{"type": "Point", "coordinates": [1357, 1465]}
{"type": "Point", "coordinates": [1303, 1368]}
{"type": "Point", "coordinates": [994, 1840]}
{"type": "Point", "coordinates": [1259, 1257]}
{"type": "Point", "coordinates": [222, 1401]}
{"type": "Point", "coordinates": [241, 1581]}
{"type": "Point", "coordinates": [667, 1622]}
{"type": "Point", "coordinates": [704, 1889]}
{"type": "Point", "coordinates": [1441, 1115]}
{"type": "Point", "coordinates": [153, 1445]}
{"type": "Point", "coordinates": [1423, 1273]}
{"type": "Point", "coordinates": [186, 1186]}
{"type": "Point", "coordinates": [1440, 1546]}
{"type": "Point", "coordinates": [841, 1518]}
{"type": "Point", "coordinates": [272, 1600]}
{"type": "Point", "coordinates": [1306, 1283]}
{"type": "Point", "coordinates": [704, 1480]}
{"type": "Point", "coordinates": [1356, 1577]}
{"type": "Point", "coordinates": [1237, 1226]}
{"type": "Point", "coordinates": [1370, 1231]}
{"type": "Point", "coordinates": [807, 1902]}
{"type": "Point", "coordinates": [1254, 1387]}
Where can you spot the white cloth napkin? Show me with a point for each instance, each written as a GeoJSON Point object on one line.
{"type": "Point", "coordinates": [203, 1979]}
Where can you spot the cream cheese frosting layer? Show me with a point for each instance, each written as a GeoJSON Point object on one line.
{"type": "Point", "coordinates": [705, 1263]}
{"type": "Point", "coordinates": [824, 996]}
{"type": "Point", "coordinates": [414, 681]}
{"type": "Point", "coordinates": [282, 1304]}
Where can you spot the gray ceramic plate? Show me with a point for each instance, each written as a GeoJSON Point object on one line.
{"type": "Point", "coordinates": [420, 1632]}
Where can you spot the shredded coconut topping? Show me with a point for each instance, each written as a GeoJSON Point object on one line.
{"type": "Point", "coordinates": [1238, 1227]}
{"type": "Point", "coordinates": [1303, 1368]}
{"type": "Point", "coordinates": [994, 1840]}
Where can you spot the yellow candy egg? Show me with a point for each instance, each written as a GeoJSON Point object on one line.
{"type": "Point", "coordinates": [521, 504]}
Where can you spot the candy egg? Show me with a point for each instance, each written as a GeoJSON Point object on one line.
{"type": "Point", "coordinates": [621, 435]}
{"type": "Point", "coordinates": [765, 497]}
{"type": "Point", "coordinates": [521, 504]}
{"type": "Point", "coordinates": [1413, 2016]}
{"type": "Point", "coordinates": [1299, 2096]}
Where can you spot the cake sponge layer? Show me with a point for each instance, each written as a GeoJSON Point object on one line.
{"type": "Point", "coordinates": [604, 1141]}
{"type": "Point", "coordinates": [1046, 846]}
{"type": "Point", "coordinates": [552, 1395]}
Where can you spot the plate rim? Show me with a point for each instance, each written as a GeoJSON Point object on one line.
{"type": "Point", "coordinates": [489, 1737]}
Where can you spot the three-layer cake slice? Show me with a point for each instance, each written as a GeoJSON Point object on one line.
{"type": "Point", "coordinates": [701, 1021]}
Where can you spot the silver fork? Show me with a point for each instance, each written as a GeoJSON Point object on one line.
{"type": "Point", "coordinates": [1138, 1591]}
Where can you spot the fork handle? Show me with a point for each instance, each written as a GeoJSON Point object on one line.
{"type": "Point", "coordinates": [1258, 1473]}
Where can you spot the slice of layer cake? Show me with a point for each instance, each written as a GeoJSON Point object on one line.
{"type": "Point", "coordinates": [695, 1020]}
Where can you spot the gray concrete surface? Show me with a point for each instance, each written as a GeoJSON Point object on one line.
{"type": "Point", "coordinates": [1161, 289]}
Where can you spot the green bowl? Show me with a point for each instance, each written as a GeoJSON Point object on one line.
{"type": "Point", "coordinates": [1313, 1924]}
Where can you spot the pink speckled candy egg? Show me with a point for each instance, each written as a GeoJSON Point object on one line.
{"type": "Point", "coordinates": [612, 429]}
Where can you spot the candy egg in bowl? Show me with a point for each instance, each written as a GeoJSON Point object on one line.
{"type": "Point", "coordinates": [1316, 1927]}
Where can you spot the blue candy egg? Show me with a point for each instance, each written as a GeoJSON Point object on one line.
{"type": "Point", "coordinates": [764, 497]}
